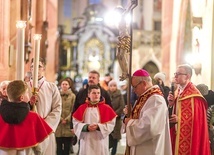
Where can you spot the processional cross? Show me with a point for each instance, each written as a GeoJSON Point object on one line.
{"type": "Point", "coordinates": [124, 48]}
{"type": "Point", "coordinates": [125, 45]}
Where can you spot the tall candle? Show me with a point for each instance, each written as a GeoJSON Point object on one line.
{"type": "Point", "coordinates": [44, 10]}
{"type": "Point", "coordinates": [20, 25]}
{"type": "Point", "coordinates": [37, 38]}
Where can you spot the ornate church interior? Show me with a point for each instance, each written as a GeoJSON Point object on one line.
{"type": "Point", "coordinates": [82, 35]}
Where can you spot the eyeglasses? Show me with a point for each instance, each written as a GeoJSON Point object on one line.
{"type": "Point", "coordinates": [178, 73]}
{"type": "Point", "coordinates": [39, 66]}
{"type": "Point", "coordinates": [137, 84]}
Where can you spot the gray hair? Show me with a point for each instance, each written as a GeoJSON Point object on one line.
{"type": "Point", "coordinates": [187, 68]}
{"type": "Point", "coordinates": [144, 78]}
{"type": "Point", "coordinates": [3, 83]}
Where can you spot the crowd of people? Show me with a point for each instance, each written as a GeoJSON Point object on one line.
{"type": "Point", "coordinates": [164, 120]}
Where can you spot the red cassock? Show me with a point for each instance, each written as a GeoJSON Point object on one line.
{"type": "Point", "coordinates": [26, 134]}
{"type": "Point", "coordinates": [191, 134]}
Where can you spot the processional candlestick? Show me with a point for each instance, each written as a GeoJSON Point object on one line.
{"type": "Point", "coordinates": [37, 38]}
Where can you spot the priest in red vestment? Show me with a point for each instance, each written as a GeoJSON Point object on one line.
{"type": "Point", "coordinates": [189, 135]}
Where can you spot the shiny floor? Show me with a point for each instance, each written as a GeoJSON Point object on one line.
{"type": "Point", "coordinates": [120, 149]}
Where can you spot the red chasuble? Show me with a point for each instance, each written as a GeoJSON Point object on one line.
{"type": "Point", "coordinates": [26, 134]}
{"type": "Point", "coordinates": [105, 111]}
{"type": "Point", "coordinates": [192, 130]}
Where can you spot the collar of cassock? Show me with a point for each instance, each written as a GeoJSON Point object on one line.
{"type": "Point", "coordinates": [93, 104]}
{"type": "Point", "coordinates": [105, 111]}
{"type": "Point", "coordinates": [66, 95]}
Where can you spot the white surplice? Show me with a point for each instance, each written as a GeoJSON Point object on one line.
{"type": "Point", "coordinates": [96, 142]}
{"type": "Point", "coordinates": [49, 107]}
{"type": "Point", "coordinates": [34, 150]}
{"type": "Point", "coordinates": [16, 152]}
{"type": "Point", "coordinates": [150, 134]}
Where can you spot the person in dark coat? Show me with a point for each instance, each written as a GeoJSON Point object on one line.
{"type": "Point", "coordinates": [207, 94]}
{"type": "Point", "coordinates": [82, 95]}
{"type": "Point", "coordinates": [160, 80]}
{"type": "Point", "coordinates": [118, 105]}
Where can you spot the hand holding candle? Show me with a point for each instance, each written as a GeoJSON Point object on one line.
{"type": "Point", "coordinates": [33, 99]}
{"type": "Point", "coordinates": [37, 38]}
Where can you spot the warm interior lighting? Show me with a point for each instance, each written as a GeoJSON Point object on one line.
{"type": "Point", "coordinates": [37, 37]}
{"type": "Point", "coordinates": [20, 24]}
{"type": "Point", "coordinates": [94, 65]}
{"type": "Point", "coordinates": [113, 18]}
{"type": "Point", "coordinates": [197, 7]}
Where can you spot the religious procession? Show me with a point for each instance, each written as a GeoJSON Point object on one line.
{"type": "Point", "coordinates": [106, 77]}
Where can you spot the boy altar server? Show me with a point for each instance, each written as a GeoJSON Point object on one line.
{"type": "Point", "coordinates": [21, 130]}
{"type": "Point", "coordinates": [93, 122]}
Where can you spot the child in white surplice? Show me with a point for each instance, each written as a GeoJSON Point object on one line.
{"type": "Point", "coordinates": [93, 121]}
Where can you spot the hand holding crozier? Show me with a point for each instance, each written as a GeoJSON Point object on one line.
{"type": "Point", "coordinates": [125, 110]}
{"type": "Point", "coordinates": [171, 99]}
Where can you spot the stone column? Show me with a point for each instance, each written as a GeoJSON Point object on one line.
{"type": "Point", "coordinates": [4, 39]}
{"type": "Point", "coordinates": [167, 15]}
{"type": "Point", "coordinates": [212, 51]}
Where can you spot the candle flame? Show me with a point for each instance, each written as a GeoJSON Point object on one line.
{"type": "Point", "coordinates": [20, 24]}
{"type": "Point", "coordinates": [37, 37]}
